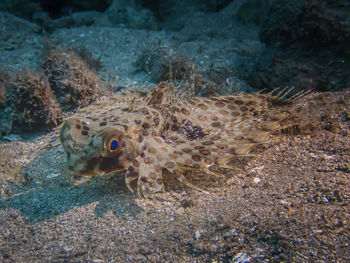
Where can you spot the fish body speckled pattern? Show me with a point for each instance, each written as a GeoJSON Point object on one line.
{"type": "Point", "coordinates": [144, 136]}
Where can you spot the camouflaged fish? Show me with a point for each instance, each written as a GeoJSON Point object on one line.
{"type": "Point", "coordinates": [145, 136]}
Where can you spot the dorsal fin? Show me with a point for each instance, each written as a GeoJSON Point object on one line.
{"type": "Point", "coordinates": [158, 95]}
{"type": "Point", "coordinates": [166, 93]}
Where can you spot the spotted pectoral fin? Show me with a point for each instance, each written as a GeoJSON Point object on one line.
{"type": "Point", "coordinates": [148, 176]}
{"type": "Point", "coordinates": [131, 175]}
{"type": "Point", "coordinates": [148, 167]}
{"type": "Point", "coordinates": [150, 181]}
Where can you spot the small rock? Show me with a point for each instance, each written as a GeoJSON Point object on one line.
{"type": "Point", "coordinates": [257, 180]}
{"type": "Point", "coordinates": [285, 203]}
{"type": "Point", "coordinates": [324, 200]}
{"type": "Point", "coordinates": [66, 250]}
{"type": "Point", "coordinates": [52, 175]}
{"type": "Point", "coordinates": [318, 231]}
{"type": "Point", "coordinates": [260, 251]}
{"type": "Point", "coordinates": [186, 203]}
{"type": "Point", "coordinates": [241, 258]}
{"type": "Point", "coordinates": [197, 235]}
{"type": "Point", "coordinates": [140, 258]}
{"type": "Point", "coordinates": [180, 211]}
{"type": "Point", "coordinates": [231, 181]}
{"type": "Point", "coordinates": [231, 233]}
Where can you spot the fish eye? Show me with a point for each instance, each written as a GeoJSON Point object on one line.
{"type": "Point", "coordinates": [113, 144]}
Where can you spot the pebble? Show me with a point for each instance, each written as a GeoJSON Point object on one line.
{"type": "Point", "coordinates": [241, 258]}
{"type": "Point", "coordinates": [257, 180]}
{"type": "Point", "coordinates": [50, 176]}
{"type": "Point", "coordinates": [285, 203]}
{"type": "Point", "coordinates": [66, 250]}
{"type": "Point", "coordinates": [197, 235]}
{"type": "Point", "coordinates": [318, 231]}
{"type": "Point", "coordinates": [180, 211]}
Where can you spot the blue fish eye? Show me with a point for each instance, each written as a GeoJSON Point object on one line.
{"type": "Point", "coordinates": [114, 144]}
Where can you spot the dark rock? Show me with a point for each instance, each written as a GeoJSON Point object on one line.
{"type": "Point", "coordinates": [308, 46]}
{"type": "Point", "coordinates": [4, 83]}
{"type": "Point", "coordinates": [308, 24]}
{"type": "Point", "coordinates": [130, 14]}
{"type": "Point", "coordinates": [278, 68]}
{"type": "Point", "coordinates": [58, 9]}
{"type": "Point", "coordinates": [78, 19]}
{"type": "Point", "coordinates": [163, 63]}
{"type": "Point", "coordinates": [21, 8]}
{"type": "Point", "coordinates": [14, 25]}
{"type": "Point", "coordinates": [50, 14]}
{"type": "Point", "coordinates": [30, 105]}
{"type": "Point", "coordinates": [86, 56]}
{"type": "Point", "coordinates": [73, 83]}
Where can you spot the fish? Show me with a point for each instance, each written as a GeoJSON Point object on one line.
{"type": "Point", "coordinates": [146, 135]}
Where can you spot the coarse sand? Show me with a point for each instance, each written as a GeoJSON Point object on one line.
{"type": "Point", "coordinates": [288, 202]}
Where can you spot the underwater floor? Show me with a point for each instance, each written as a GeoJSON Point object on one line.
{"type": "Point", "coordinates": [288, 201]}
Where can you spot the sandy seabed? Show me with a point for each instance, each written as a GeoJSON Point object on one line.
{"type": "Point", "coordinates": [289, 202]}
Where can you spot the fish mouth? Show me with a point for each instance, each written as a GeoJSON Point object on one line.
{"type": "Point", "coordinates": [100, 166]}
{"type": "Point", "coordinates": [110, 165]}
{"type": "Point", "coordinates": [97, 173]}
